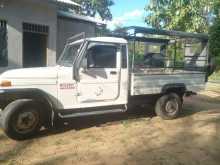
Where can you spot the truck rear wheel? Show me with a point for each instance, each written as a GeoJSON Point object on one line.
{"type": "Point", "coordinates": [169, 106]}
{"type": "Point", "coordinates": [21, 119]}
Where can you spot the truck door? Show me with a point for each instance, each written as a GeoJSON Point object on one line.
{"type": "Point", "coordinates": [99, 73]}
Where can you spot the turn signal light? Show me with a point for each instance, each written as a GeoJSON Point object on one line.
{"type": "Point", "coordinates": [5, 83]}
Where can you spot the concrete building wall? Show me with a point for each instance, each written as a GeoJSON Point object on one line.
{"type": "Point", "coordinates": [28, 11]}
{"type": "Point", "coordinates": [68, 27]}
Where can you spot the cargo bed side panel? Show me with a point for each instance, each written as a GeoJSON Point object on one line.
{"type": "Point", "coordinates": [143, 84]}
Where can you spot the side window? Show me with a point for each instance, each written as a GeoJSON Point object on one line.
{"type": "Point", "coordinates": [3, 44]}
{"type": "Point", "coordinates": [150, 55]}
{"type": "Point", "coordinates": [102, 56]}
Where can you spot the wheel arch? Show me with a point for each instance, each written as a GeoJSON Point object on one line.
{"type": "Point", "coordinates": [178, 88]}
{"type": "Point", "coordinates": [11, 95]}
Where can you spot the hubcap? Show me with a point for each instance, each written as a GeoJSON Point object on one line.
{"type": "Point", "coordinates": [26, 122]}
{"type": "Point", "coordinates": [172, 106]}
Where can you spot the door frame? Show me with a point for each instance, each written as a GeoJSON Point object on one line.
{"type": "Point", "coordinates": [37, 29]}
{"type": "Point", "coordinates": [81, 56]}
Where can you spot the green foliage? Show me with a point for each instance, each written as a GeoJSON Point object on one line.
{"type": "Point", "coordinates": [215, 76]}
{"type": "Point", "coordinates": [189, 16]}
{"type": "Point", "coordinates": [216, 8]}
{"type": "Point", "coordinates": [214, 41]}
{"type": "Point", "coordinates": [93, 7]}
{"type": "Point", "coordinates": [183, 15]}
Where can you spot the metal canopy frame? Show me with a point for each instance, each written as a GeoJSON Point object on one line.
{"type": "Point", "coordinates": [141, 39]}
{"type": "Point", "coordinates": [76, 37]}
{"type": "Point", "coordinates": [132, 34]}
{"type": "Point", "coordinates": [143, 30]}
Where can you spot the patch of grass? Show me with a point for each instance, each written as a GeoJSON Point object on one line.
{"type": "Point", "coordinates": [10, 157]}
{"type": "Point", "coordinates": [127, 123]}
{"type": "Point", "coordinates": [60, 142]}
{"type": "Point", "coordinates": [123, 141]}
{"type": "Point", "coordinates": [215, 76]}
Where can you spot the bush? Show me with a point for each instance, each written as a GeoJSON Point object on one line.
{"type": "Point", "coordinates": [214, 42]}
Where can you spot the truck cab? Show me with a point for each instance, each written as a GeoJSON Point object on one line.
{"type": "Point", "coordinates": [103, 75]}
{"type": "Point", "coordinates": [97, 75]}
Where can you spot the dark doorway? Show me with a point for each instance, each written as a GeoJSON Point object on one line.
{"type": "Point", "coordinates": [34, 50]}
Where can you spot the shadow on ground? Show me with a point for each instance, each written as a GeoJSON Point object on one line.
{"type": "Point", "coordinates": [99, 120]}
{"type": "Point", "coordinates": [133, 114]}
{"type": "Point", "coordinates": [192, 139]}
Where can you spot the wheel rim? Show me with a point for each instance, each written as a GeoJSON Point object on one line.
{"type": "Point", "coordinates": [26, 121]}
{"type": "Point", "coordinates": [172, 106]}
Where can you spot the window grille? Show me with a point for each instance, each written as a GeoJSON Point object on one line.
{"type": "Point", "coordinates": [34, 28]}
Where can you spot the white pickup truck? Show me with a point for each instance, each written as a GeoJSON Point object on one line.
{"type": "Point", "coordinates": [98, 75]}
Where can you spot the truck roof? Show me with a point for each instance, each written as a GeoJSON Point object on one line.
{"type": "Point", "coordinates": [108, 40]}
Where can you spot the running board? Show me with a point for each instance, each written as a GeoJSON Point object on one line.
{"type": "Point", "coordinates": [92, 113]}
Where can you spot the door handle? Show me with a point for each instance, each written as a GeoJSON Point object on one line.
{"type": "Point", "coordinates": [113, 72]}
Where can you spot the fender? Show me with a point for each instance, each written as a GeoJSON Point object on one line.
{"type": "Point", "coordinates": [176, 87]}
{"type": "Point", "coordinates": [9, 95]}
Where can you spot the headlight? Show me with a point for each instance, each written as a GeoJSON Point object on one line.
{"type": "Point", "coordinates": [5, 83]}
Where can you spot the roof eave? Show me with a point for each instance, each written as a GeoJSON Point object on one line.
{"type": "Point", "coordinates": [80, 17]}
{"type": "Point", "coordinates": [72, 4]}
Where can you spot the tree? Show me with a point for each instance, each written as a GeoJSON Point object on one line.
{"type": "Point", "coordinates": [189, 16]}
{"type": "Point", "coordinates": [216, 8]}
{"type": "Point", "coordinates": [93, 7]}
{"type": "Point", "coordinates": [214, 41]}
{"type": "Point", "coordinates": [184, 15]}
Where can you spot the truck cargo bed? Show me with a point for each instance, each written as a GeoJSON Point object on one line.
{"type": "Point", "coordinates": [152, 81]}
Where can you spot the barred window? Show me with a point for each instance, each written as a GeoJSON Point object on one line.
{"type": "Point", "coordinates": [3, 44]}
{"type": "Point", "coordinates": [34, 28]}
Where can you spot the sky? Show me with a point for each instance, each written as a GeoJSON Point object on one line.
{"type": "Point", "coordinates": [128, 13]}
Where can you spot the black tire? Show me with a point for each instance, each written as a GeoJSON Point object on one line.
{"type": "Point", "coordinates": [13, 121]}
{"type": "Point", "coordinates": [169, 106]}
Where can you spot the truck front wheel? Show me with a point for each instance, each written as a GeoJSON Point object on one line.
{"type": "Point", "coordinates": [169, 106]}
{"type": "Point", "coordinates": [21, 119]}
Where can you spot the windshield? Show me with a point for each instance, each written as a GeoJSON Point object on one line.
{"type": "Point", "coordinates": [69, 54]}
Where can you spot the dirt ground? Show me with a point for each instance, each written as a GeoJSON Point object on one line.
{"type": "Point", "coordinates": [134, 138]}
